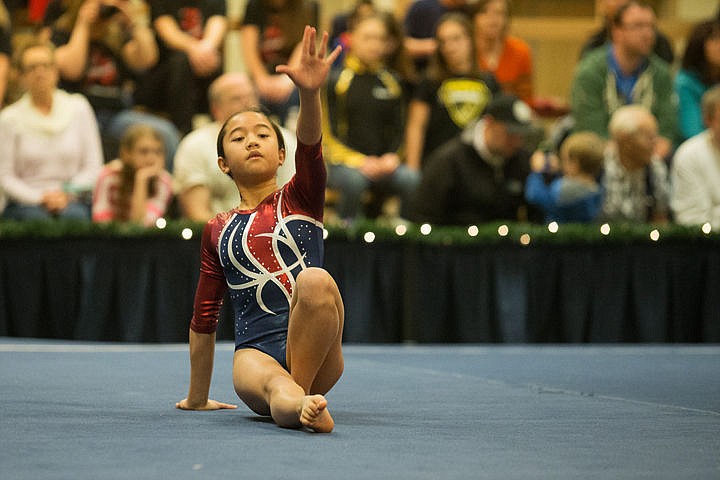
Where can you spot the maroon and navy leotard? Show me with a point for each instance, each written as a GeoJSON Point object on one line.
{"type": "Point", "coordinates": [257, 254]}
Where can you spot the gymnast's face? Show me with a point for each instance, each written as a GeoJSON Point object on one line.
{"type": "Point", "coordinates": [252, 151]}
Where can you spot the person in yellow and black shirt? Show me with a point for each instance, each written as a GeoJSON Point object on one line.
{"type": "Point", "coordinates": [363, 128]}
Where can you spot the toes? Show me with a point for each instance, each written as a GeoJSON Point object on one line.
{"type": "Point", "coordinates": [315, 416]}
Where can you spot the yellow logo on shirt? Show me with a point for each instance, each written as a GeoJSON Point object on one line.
{"type": "Point", "coordinates": [464, 99]}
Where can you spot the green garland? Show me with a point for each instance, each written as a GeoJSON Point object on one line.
{"type": "Point", "coordinates": [522, 234]}
{"type": "Point", "coordinates": [60, 229]}
{"type": "Point", "coordinates": [526, 234]}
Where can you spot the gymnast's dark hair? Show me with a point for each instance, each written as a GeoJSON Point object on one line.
{"type": "Point", "coordinates": [223, 129]}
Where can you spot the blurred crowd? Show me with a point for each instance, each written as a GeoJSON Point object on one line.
{"type": "Point", "coordinates": [110, 111]}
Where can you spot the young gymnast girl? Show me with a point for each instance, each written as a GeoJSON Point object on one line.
{"type": "Point", "coordinates": [268, 252]}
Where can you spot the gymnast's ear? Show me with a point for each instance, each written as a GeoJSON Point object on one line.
{"type": "Point", "coordinates": [224, 166]}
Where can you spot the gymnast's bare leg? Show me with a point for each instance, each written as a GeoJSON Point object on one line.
{"type": "Point", "coordinates": [250, 153]}
{"type": "Point", "coordinates": [314, 357]}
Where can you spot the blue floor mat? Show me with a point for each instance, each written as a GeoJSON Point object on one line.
{"type": "Point", "coordinates": [105, 411]}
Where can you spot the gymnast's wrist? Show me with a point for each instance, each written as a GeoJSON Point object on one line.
{"type": "Point", "coordinates": [195, 401]}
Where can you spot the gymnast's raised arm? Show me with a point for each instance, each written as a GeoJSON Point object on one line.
{"type": "Point", "coordinates": [308, 71]}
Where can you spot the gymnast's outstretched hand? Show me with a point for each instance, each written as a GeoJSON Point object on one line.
{"type": "Point", "coordinates": [310, 69]}
{"type": "Point", "coordinates": [184, 404]}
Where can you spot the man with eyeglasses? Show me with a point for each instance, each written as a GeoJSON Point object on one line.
{"type": "Point", "coordinates": [663, 47]}
{"type": "Point", "coordinates": [626, 71]}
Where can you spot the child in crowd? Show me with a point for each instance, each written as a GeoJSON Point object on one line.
{"type": "Point", "coordinates": [575, 196]}
{"type": "Point", "coordinates": [134, 187]}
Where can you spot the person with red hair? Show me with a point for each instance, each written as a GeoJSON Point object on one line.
{"type": "Point", "coordinates": [507, 57]}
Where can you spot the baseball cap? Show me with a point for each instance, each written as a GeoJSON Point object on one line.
{"type": "Point", "coordinates": [513, 112]}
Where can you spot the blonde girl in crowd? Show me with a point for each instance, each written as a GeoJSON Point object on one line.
{"type": "Point", "coordinates": [134, 187]}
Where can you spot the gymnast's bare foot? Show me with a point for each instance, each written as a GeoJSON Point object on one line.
{"type": "Point", "coordinates": [314, 414]}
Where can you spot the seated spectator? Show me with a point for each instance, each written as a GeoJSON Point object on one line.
{"type": "Point", "coordinates": [271, 32]}
{"type": "Point", "coordinates": [363, 130]}
{"type": "Point", "coordinates": [507, 57]}
{"type": "Point", "coordinates": [100, 49]}
{"type": "Point", "coordinates": [5, 51]}
{"type": "Point", "coordinates": [635, 179]}
{"type": "Point", "coordinates": [625, 71]}
{"type": "Point", "coordinates": [574, 195]}
{"type": "Point", "coordinates": [135, 187]}
{"type": "Point", "coordinates": [202, 189]}
{"type": "Point", "coordinates": [191, 36]}
{"type": "Point", "coordinates": [608, 8]}
{"type": "Point", "coordinates": [479, 176]}
{"type": "Point", "coordinates": [700, 70]}
{"type": "Point", "coordinates": [453, 94]}
{"type": "Point", "coordinates": [695, 176]}
{"type": "Point", "coordinates": [50, 152]}
{"type": "Point", "coordinates": [419, 24]}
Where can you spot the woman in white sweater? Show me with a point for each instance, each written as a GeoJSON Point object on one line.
{"type": "Point", "coordinates": [50, 150]}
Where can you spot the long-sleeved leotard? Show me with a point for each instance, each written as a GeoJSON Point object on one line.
{"type": "Point", "coordinates": [258, 253]}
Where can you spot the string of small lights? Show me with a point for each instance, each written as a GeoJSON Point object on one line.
{"type": "Point", "coordinates": [522, 234]}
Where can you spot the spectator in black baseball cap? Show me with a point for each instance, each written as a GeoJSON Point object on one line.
{"type": "Point", "coordinates": [479, 176]}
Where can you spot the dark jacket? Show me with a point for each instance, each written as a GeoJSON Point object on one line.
{"type": "Point", "coordinates": [460, 188]}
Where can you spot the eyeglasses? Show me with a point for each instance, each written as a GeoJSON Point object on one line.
{"type": "Point", "coordinates": [639, 26]}
{"type": "Point", "coordinates": [33, 67]}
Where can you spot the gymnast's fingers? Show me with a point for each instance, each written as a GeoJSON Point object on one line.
{"type": "Point", "coordinates": [210, 405]}
{"type": "Point", "coordinates": [222, 406]}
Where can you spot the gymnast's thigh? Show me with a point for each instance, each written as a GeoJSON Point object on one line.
{"type": "Point", "coordinates": [253, 370]}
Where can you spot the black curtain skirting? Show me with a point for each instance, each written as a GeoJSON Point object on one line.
{"type": "Point", "coordinates": [141, 290]}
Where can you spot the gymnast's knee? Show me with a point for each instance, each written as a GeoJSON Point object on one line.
{"type": "Point", "coordinates": [315, 286]}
